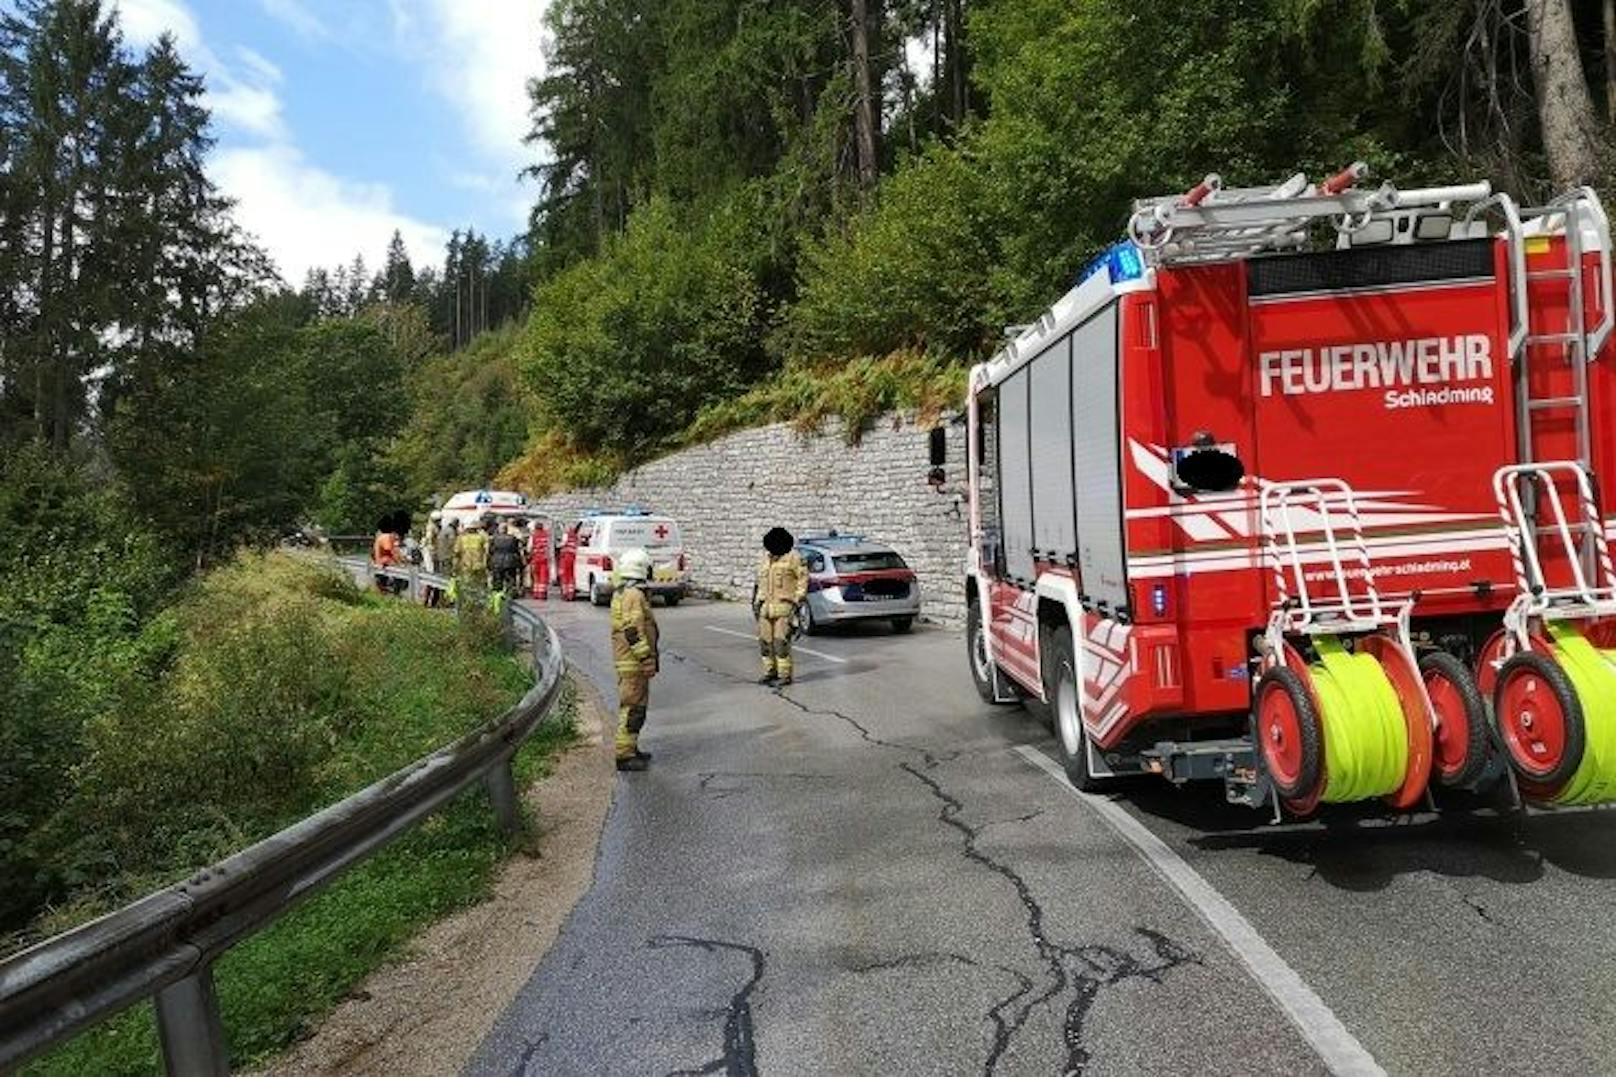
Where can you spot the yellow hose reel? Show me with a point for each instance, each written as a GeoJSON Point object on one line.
{"type": "Point", "coordinates": [1352, 725]}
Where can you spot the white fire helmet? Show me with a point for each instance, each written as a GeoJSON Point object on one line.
{"type": "Point", "coordinates": [634, 564]}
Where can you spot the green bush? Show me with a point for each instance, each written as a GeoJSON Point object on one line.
{"type": "Point", "coordinates": [288, 689]}
{"type": "Point", "coordinates": [275, 986]}
{"type": "Point", "coordinates": [77, 583]}
{"type": "Point", "coordinates": [857, 392]}
{"type": "Point", "coordinates": [623, 348]}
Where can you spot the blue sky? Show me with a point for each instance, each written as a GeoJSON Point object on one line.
{"type": "Point", "coordinates": [341, 120]}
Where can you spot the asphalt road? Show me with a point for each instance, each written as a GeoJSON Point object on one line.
{"type": "Point", "coordinates": [865, 873]}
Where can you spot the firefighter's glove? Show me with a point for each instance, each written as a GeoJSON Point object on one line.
{"type": "Point", "coordinates": [648, 667]}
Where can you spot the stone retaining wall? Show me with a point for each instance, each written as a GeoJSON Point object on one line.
{"type": "Point", "coordinates": [727, 493]}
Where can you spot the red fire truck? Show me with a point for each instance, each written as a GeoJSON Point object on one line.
{"type": "Point", "coordinates": [1296, 489]}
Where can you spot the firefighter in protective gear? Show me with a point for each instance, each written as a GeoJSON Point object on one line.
{"type": "Point", "coordinates": [634, 653]}
{"type": "Point", "coordinates": [471, 563]}
{"type": "Point", "coordinates": [782, 586]}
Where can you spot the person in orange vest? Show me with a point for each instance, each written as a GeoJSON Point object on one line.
{"type": "Point", "coordinates": [384, 554]}
{"type": "Point", "coordinates": [539, 554]}
{"type": "Point", "coordinates": [569, 561]}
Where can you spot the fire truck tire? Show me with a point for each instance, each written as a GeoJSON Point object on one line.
{"type": "Point", "coordinates": [1066, 705]}
{"type": "Point", "coordinates": [1461, 719]}
{"type": "Point", "coordinates": [1540, 719]}
{"type": "Point", "coordinates": [1288, 734]}
{"type": "Point", "coordinates": [976, 649]}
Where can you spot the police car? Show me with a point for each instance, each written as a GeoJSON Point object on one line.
{"type": "Point", "coordinates": [602, 538]}
{"type": "Point", "coordinates": [853, 578]}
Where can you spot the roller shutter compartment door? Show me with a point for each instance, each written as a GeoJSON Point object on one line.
{"type": "Point", "coordinates": [1097, 461]}
{"type": "Point", "coordinates": [1015, 477]}
{"type": "Point", "coordinates": [1054, 527]}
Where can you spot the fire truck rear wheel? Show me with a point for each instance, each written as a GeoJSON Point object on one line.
{"type": "Point", "coordinates": [976, 649]}
{"type": "Point", "coordinates": [1461, 719]}
{"type": "Point", "coordinates": [1539, 719]}
{"type": "Point", "coordinates": [1288, 733]}
{"type": "Point", "coordinates": [1066, 704]}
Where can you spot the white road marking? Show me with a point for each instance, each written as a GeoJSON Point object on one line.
{"type": "Point", "coordinates": [1339, 1048]}
{"type": "Point", "coordinates": [794, 647]}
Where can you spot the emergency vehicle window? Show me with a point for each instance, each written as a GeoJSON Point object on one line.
{"type": "Point", "coordinates": [1015, 473]}
{"type": "Point", "coordinates": [987, 479]}
{"type": "Point", "coordinates": [868, 562]}
{"type": "Point", "coordinates": [814, 561]}
{"type": "Point", "coordinates": [585, 533]}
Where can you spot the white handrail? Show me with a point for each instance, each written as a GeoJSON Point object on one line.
{"type": "Point", "coordinates": [1515, 246]}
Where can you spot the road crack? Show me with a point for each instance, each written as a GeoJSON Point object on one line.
{"type": "Point", "coordinates": [930, 757]}
{"type": "Point", "coordinates": [740, 1037]}
{"type": "Point", "coordinates": [1083, 970]}
{"type": "Point", "coordinates": [530, 1050]}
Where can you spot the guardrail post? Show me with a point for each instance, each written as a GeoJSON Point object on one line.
{"type": "Point", "coordinates": [415, 584]}
{"type": "Point", "coordinates": [189, 1027]}
{"type": "Point", "coordinates": [502, 791]}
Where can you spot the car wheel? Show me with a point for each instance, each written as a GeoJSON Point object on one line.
{"type": "Point", "coordinates": [1066, 703]}
{"type": "Point", "coordinates": [902, 625]}
{"type": "Point", "coordinates": [976, 649]}
{"type": "Point", "coordinates": [806, 625]}
{"type": "Point", "coordinates": [596, 594]}
{"type": "Point", "coordinates": [671, 598]}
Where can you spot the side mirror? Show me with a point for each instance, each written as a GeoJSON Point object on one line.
{"type": "Point", "coordinates": [939, 446]}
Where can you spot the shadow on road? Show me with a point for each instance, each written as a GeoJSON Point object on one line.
{"type": "Point", "coordinates": [1364, 847]}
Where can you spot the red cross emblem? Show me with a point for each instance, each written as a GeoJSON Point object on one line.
{"type": "Point", "coordinates": [661, 531]}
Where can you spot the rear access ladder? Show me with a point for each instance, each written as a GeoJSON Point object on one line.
{"type": "Point", "coordinates": [1520, 491]}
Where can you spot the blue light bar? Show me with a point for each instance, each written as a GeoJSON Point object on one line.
{"type": "Point", "coordinates": [1121, 261]}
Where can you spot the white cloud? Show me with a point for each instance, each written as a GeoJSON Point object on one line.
{"type": "Point", "coordinates": [304, 215]}
{"type": "Point", "coordinates": [144, 21]}
{"type": "Point", "coordinates": [480, 55]}
{"type": "Point", "coordinates": [294, 14]}
{"type": "Point", "coordinates": [260, 65]}
{"type": "Point", "coordinates": [308, 217]}
{"type": "Point", "coordinates": [254, 110]}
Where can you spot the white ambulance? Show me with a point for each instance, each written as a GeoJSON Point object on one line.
{"type": "Point", "coordinates": [470, 506]}
{"type": "Point", "coordinates": [602, 538]}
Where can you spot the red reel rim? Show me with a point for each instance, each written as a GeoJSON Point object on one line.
{"type": "Point", "coordinates": [1532, 724]}
{"type": "Point", "coordinates": [1280, 735]}
{"type": "Point", "coordinates": [1452, 737]}
{"type": "Point", "coordinates": [1405, 680]}
{"type": "Point", "coordinates": [1492, 657]}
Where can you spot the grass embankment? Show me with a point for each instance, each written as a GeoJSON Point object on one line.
{"type": "Point", "coordinates": [807, 395]}
{"type": "Point", "coordinates": [289, 689]}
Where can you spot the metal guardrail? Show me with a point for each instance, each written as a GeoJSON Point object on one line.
{"type": "Point", "coordinates": [164, 945]}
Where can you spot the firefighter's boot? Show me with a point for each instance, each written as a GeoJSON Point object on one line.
{"type": "Point", "coordinates": [633, 691]}
{"type": "Point", "coordinates": [766, 651]}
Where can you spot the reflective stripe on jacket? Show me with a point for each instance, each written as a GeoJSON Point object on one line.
{"type": "Point", "coordinates": [634, 629]}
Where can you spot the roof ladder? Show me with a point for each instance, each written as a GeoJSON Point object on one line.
{"type": "Point", "coordinates": [1575, 345]}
